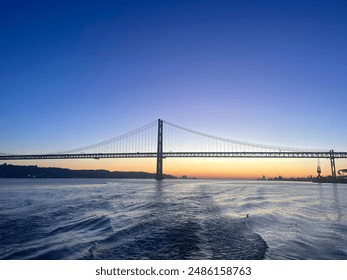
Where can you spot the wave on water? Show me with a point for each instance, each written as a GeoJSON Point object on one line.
{"type": "Point", "coordinates": [221, 238]}
{"type": "Point", "coordinates": [183, 226]}
{"type": "Point", "coordinates": [172, 220]}
{"type": "Point", "coordinates": [65, 242]}
{"type": "Point", "coordinates": [158, 239]}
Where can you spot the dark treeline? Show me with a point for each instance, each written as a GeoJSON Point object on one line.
{"type": "Point", "coordinates": [32, 171]}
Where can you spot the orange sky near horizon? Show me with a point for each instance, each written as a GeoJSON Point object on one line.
{"type": "Point", "coordinates": [225, 168]}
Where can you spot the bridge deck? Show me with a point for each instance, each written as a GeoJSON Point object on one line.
{"type": "Point", "coordinates": [181, 155]}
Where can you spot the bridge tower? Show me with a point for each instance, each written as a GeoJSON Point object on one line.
{"type": "Point", "coordinates": [159, 175]}
{"type": "Point", "coordinates": [332, 163]}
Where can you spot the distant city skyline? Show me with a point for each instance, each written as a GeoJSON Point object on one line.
{"type": "Point", "coordinates": [74, 73]}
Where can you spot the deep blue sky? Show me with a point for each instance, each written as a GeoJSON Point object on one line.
{"type": "Point", "coordinates": [77, 72]}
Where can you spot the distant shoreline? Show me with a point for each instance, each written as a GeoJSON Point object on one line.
{"type": "Point", "coordinates": [280, 178]}
{"type": "Point", "coordinates": [33, 171]}
{"type": "Point", "coordinates": [8, 171]}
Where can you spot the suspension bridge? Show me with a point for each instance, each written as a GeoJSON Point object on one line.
{"type": "Point", "coordinates": [149, 142]}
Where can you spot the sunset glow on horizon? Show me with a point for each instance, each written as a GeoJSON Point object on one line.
{"type": "Point", "coordinates": [203, 168]}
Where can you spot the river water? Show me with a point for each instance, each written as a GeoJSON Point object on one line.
{"type": "Point", "coordinates": [172, 219]}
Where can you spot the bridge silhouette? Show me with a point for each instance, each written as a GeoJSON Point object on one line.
{"type": "Point", "coordinates": [149, 142]}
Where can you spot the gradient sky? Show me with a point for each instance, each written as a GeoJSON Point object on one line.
{"type": "Point", "coordinates": [73, 73]}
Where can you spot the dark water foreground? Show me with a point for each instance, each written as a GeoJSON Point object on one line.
{"type": "Point", "coordinates": [174, 219]}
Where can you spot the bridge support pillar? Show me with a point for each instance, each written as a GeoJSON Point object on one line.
{"type": "Point", "coordinates": [159, 175]}
{"type": "Point", "coordinates": [332, 163]}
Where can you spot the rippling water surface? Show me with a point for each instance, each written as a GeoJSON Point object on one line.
{"type": "Point", "coordinates": [173, 219]}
